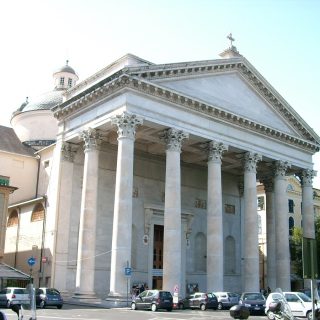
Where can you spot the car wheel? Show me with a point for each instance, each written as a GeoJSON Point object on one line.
{"type": "Point", "coordinates": [133, 306]}
{"type": "Point", "coordinates": [203, 307]}
{"type": "Point", "coordinates": [42, 304]}
{"type": "Point", "coordinates": [8, 304]}
{"type": "Point", "coordinates": [220, 306]}
{"type": "Point", "coordinates": [59, 306]}
{"type": "Point", "coordinates": [270, 315]}
{"type": "Point", "coordinates": [169, 309]}
{"type": "Point", "coordinates": [309, 315]}
{"type": "Point", "coordinates": [153, 307]}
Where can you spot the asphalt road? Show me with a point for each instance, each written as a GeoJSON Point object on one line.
{"type": "Point", "coordinates": [70, 312]}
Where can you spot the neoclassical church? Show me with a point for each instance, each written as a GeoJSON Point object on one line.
{"type": "Point", "coordinates": [147, 173]}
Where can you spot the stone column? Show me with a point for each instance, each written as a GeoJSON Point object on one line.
{"type": "Point", "coordinates": [68, 151]}
{"type": "Point", "coordinates": [88, 213]}
{"type": "Point", "coordinates": [271, 233]}
{"type": "Point", "coordinates": [215, 257]}
{"type": "Point", "coordinates": [251, 241]}
{"type": "Point", "coordinates": [172, 211]}
{"type": "Point", "coordinates": [122, 216]}
{"type": "Point", "coordinates": [282, 227]}
{"type": "Point", "coordinates": [307, 204]}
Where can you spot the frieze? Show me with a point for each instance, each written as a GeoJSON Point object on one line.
{"type": "Point", "coordinates": [67, 108]}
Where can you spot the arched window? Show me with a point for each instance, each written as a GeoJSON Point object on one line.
{"type": "Point", "coordinates": [37, 213]}
{"type": "Point", "coordinates": [230, 256]}
{"type": "Point", "coordinates": [291, 225]}
{"type": "Point", "coordinates": [200, 252]}
{"type": "Point", "coordinates": [13, 219]}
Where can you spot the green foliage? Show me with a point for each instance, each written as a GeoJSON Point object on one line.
{"type": "Point", "coordinates": [296, 251]}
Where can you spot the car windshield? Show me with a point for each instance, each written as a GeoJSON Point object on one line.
{"type": "Point", "coordinates": [303, 297]}
{"type": "Point", "coordinates": [52, 292]}
{"type": "Point", "coordinates": [253, 296]}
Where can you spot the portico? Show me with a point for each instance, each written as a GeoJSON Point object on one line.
{"type": "Point", "coordinates": [168, 142]}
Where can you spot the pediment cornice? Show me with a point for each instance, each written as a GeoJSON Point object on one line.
{"type": "Point", "coordinates": [247, 71]}
{"type": "Point", "coordinates": [113, 85]}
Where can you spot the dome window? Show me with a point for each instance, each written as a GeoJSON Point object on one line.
{"type": "Point", "coordinates": [62, 81]}
{"type": "Point", "coordinates": [69, 83]}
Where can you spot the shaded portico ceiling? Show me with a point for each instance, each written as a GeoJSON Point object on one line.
{"type": "Point", "coordinates": [150, 80]}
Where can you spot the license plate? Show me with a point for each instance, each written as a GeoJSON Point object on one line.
{"type": "Point", "coordinates": [257, 308]}
{"type": "Point", "coordinates": [166, 300]}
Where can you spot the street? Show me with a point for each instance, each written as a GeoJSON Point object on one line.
{"type": "Point", "coordinates": [81, 313]}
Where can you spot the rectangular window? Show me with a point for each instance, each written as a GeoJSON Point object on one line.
{"type": "Point", "coordinates": [61, 81]}
{"type": "Point", "coordinates": [291, 206]}
{"type": "Point", "coordinates": [229, 208]}
{"type": "Point", "coordinates": [69, 82]}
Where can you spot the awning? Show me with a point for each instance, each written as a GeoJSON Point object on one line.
{"type": "Point", "coordinates": [7, 272]}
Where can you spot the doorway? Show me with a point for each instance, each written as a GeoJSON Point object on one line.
{"type": "Point", "coordinates": [157, 256]}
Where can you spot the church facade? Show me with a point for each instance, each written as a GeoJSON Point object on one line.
{"type": "Point", "coordinates": [153, 177]}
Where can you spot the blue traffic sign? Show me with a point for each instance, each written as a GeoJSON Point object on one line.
{"type": "Point", "coordinates": [127, 271]}
{"type": "Point", "coordinates": [31, 261]}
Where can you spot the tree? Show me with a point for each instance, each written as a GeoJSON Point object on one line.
{"type": "Point", "coordinates": [296, 251]}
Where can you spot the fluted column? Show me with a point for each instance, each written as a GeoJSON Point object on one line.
{"type": "Point", "coordinates": [88, 214]}
{"type": "Point", "coordinates": [251, 241]}
{"type": "Point", "coordinates": [122, 216]}
{"type": "Point", "coordinates": [271, 233]}
{"type": "Point", "coordinates": [215, 258]}
{"type": "Point", "coordinates": [172, 210]}
{"type": "Point", "coordinates": [282, 227]}
{"type": "Point", "coordinates": [307, 204]}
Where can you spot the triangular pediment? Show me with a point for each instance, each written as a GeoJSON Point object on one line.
{"type": "Point", "coordinates": [230, 92]}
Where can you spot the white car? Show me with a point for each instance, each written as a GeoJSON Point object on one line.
{"type": "Point", "coordinates": [226, 299]}
{"type": "Point", "coordinates": [14, 295]}
{"type": "Point", "coordinates": [300, 304]}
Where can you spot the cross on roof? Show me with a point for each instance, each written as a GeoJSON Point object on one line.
{"type": "Point", "coordinates": [229, 36]}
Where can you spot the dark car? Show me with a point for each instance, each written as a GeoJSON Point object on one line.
{"type": "Point", "coordinates": [254, 301]}
{"type": "Point", "coordinates": [48, 297]}
{"type": "Point", "coordinates": [153, 299]}
{"type": "Point", "coordinates": [199, 300]}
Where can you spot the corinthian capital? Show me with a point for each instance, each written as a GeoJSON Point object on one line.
{"type": "Point", "coordinates": [281, 168]}
{"type": "Point", "coordinates": [126, 124]}
{"type": "Point", "coordinates": [173, 138]}
{"type": "Point", "coordinates": [215, 150]}
{"type": "Point", "coordinates": [251, 160]}
{"type": "Point", "coordinates": [91, 138]}
{"type": "Point", "coordinates": [306, 177]}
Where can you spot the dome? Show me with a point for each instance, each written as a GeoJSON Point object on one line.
{"type": "Point", "coordinates": [66, 68]}
{"type": "Point", "coordinates": [45, 101]}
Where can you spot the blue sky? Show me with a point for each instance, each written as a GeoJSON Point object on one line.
{"type": "Point", "coordinates": [280, 38]}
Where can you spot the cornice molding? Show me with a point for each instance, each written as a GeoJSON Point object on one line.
{"type": "Point", "coordinates": [107, 88]}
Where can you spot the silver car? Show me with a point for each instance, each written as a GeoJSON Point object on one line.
{"type": "Point", "coordinates": [226, 299]}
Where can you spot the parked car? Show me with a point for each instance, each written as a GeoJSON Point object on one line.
{"type": "Point", "coordinates": [48, 297]}
{"type": "Point", "coordinates": [307, 291]}
{"type": "Point", "coordinates": [300, 304]}
{"type": "Point", "coordinates": [14, 295]}
{"type": "Point", "coordinates": [199, 300]}
{"type": "Point", "coordinates": [153, 299]}
{"type": "Point", "coordinates": [226, 299]}
{"type": "Point", "coordinates": [254, 301]}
